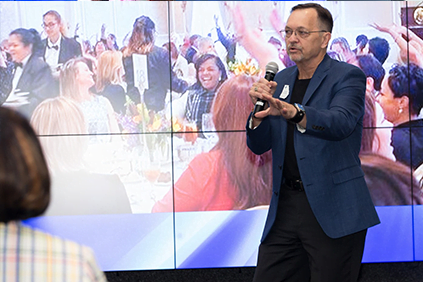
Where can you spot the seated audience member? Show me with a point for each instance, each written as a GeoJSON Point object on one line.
{"type": "Point", "coordinates": [27, 254]}
{"type": "Point", "coordinates": [76, 79]}
{"type": "Point", "coordinates": [342, 47]}
{"type": "Point", "coordinates": [217, 180]}
{"type": "Point", "coordinates": [401, 98]}
{"type": "Point", "coordinates": [373, 118]}
{"type": "Point", "coordinates": [57, 48]}
{"type": "Point", "coordinates": [390, 183]}
{"type": "Point", "coordinates": [109, 82]}
{"type": "Point", "coordinates": [75, 190]}
{"type": "Point", "coordinates": [31, 81]}
{"type": "Point", "coordinates": [410, 44]}
{"type": "Point", "coordinates": [211, 74]}
{"type": "Point", "coordinates": [379, 48]}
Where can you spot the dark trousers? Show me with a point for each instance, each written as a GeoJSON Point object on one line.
{"type": "Point", "coordinates": [297, 249]}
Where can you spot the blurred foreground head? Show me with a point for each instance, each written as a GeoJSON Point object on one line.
{"type": "Point", "coordinates": [24, 177]}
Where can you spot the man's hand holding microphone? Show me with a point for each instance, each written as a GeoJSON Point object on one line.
{"type": "Point", "coordinates": [265, 104]}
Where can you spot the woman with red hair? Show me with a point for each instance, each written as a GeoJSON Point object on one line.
{"type": "Point", "coordinates": [230, 176]}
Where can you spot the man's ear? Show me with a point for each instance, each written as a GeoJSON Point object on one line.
{"type": "Point", "coordinates": [326, 38]}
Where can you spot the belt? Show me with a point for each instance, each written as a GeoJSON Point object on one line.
{"type": "Point", "coordinates": [294, 184]}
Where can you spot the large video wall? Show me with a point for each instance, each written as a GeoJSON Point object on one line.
{"type": "Point", "coordinates": [146, 146]}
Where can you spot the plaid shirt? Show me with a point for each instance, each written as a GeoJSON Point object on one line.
{"type": "Point", "coordinates": [31, 255]}
{"type": "Point", "coordinates": [199, 102]}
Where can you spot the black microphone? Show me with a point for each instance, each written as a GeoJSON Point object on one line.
{"type": "Point", "coordinates": [271, 69]}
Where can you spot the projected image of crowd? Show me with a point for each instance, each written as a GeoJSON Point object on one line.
{"type": "Point", "coordinates": [194, 88]}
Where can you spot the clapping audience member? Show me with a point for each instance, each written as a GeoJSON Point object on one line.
{"type": "Point", "coordinates": [76, 79]}
{"type": "Point", "coordinates": [211, 74]}
{"type": "Point", "coordinates": [401, 98]}
{"type": "Point", "coordinates": [411, 45]}
{"type": "Point", "coordinates": [342, 47]}
{"type": "Point", "coordinates": [390, 182]}
{"type": "Point", "coordinates": [31, 81]}
{"type": "Point", "coordinates": [27, 254]}
{"type": "Point", "coordinates": [159, 81]}
{"type": "Point", "coordinates": [57, 49]}
{"type": "Point", "coordinates": [109, 82]}
{"type": "Point", "coordinates": [254, 41]}
{"type": "Point", "coordinates": [217, 180]}
{"type": "Point", "coordinates": [109, 40]}
{"type": "Point", "coordinates": [75, 190]}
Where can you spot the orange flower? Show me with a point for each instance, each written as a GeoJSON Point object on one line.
{"type": "Point", "coordinates": [137, 119]}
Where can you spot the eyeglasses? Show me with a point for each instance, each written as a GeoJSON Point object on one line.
{"type": "Point", "coordinates": [301, 32]}
{"type": "Point", "coordinates": [48, 26]}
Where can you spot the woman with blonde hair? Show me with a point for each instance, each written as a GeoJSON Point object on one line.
{"type": "Point", "coordinates": [61, 116]}
{"type": "Point", "coordinates": [75, 82]}
{"type": "Point", "coordinates": [61, 126]}
{"type": "Point", "coordinates": [109, 81]}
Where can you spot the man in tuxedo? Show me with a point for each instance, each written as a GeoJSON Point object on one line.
{"type": "Point", "coordinates": [321, 207]}
{"type": "Point", "coordinates": [58, 49]}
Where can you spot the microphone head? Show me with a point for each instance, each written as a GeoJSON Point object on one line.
{"type": "Point", "coordinates": [272, 67]}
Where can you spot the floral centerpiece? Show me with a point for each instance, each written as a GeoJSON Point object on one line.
{"type": "Point", "coordinates": [248, 67]}
{"type": "Point", "coordinates": [153, 126]}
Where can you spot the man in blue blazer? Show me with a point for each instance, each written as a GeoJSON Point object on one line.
{"type": "Point", "coordinates": [321, 207]}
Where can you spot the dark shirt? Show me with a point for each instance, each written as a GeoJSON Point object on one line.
{"type": "Point", "coordinates": [159, 79]}
{"type": "Point", "coordinates": [116, 95]}
{"type": "Point", "coordinates": [290, 167]}
{"type": "Point", "coordinates": [409, 154]}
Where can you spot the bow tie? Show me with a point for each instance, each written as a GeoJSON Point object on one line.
{"type": "Point", "coordinates": [20, 65]}
{"type": "Point", "coordinates": [55, 47]}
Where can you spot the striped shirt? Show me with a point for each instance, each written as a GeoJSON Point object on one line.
{"type": "Point", "coordinates": [31, 255]}
{"type": "Point", "coordinates": [199, 102]}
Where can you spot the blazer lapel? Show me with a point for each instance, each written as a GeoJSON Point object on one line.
{"type": "Point", "coordinates": [26, 74]}
{"type": "Point", "coordinates": [62, 50]}
{"type": "Point", "coordinates": [317, 78]}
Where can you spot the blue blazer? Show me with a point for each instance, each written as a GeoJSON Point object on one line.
{"type": "Point", "coordinates": [327, 152]}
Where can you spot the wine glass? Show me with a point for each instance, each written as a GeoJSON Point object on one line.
{"type": "Point", "coordinates": [150, 159]}
{"type": "Point", "coordinates": [209, 131]}
{"type": "Point", "coordinates": [190, 132]}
